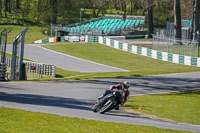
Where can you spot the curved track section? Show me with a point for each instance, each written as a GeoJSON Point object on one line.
{"type": "Point", "coordinates": [76, 98]}
{"type": "Point", "coordinates": [63, 61]}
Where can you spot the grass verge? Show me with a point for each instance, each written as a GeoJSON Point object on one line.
{"type": "Point", "coordinates": [181, 107]}
{"type": "Point", "coordinates": [60, 73]}
{"type": "Point", "coordinates": [13, 120]}
{"type": "Point", "coordinates": [34, 33]}
{"type": "Point", "coordinates": [136, 64]}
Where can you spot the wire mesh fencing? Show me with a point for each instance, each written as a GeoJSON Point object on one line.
{"type": "Point", "coordinates": [33, 69]}
{"type": "Point", "coordinates": [175, 46]}
{"type": "Point", "coordinates": [3, 43]}
{"type": "Point", "coordinates": [17, 66]}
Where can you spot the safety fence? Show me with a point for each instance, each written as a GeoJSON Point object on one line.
{"type": "Point", "coordinates": [47, 40]}
{"type": "Point", "coordinates": [38, 68]}
{"type": "Point", "coordinates": [165, 56]}
{"type": "Point", "coordinates": [61, 39]}
{"type": "Point", "coordinates": [175, 46]}
{"type": "Point", "coordinates": [156, 54]}
{"type": "Point", "coordinates": [2, 71]}
{"type": "Point", "coordinates": [169, 31]}
{"type": "Point", "coordinates": [3, 43]}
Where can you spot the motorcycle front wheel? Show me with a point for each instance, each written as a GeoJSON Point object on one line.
{"type": "Point", "coordinates": [107, 106]}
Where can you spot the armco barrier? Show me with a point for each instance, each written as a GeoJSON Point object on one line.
{"type": "Point", "coordinates": [174, 58]}
{"type": "Point", "coordinates": [52, 39]}
{"type": "Point", "coordinates": [67, 38]}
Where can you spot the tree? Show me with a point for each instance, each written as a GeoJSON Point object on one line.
{"type": "Point", "coordinates": [98, 6]}
{"type": "Point", "coordinates": [177, 19]}
{"type": "Point", "coordinates": [5, 7]}
{"type": "Point", "coordinates": [0, 8]}
{"type": "Point", "coordinates": [150, 18]}
{"type": "Point", "coordinates": [17, 4]}
{"type": "Point", "coordinates": [54, 11]}
{"type": "Point", "coordinates": [124, 8]}
{"type": "Point", "coordinates": [38, 8]}
{"type": "Point", "coordinates": [196, 18]}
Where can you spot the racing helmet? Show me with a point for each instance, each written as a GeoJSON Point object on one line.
{"type": "Point", "coordinates": [126, 85]}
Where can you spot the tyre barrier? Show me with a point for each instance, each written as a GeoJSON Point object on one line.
{"type": "Point", "coordinates": [2, 71]}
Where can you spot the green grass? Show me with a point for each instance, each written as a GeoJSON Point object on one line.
{"type": "Point", "coordinates": [18, 121]}
{"type": "Point", "coordinates": [34, 33]}
{"type": "Point", "coordinates": [178, 49]}
{"type": "Point", "coordinates": [10, 56]}
{"type": "Point", "coordinates": [60, 73]}
{"type": "Point", "coordinates": [181, 107]}
{"type": "Point", "coordinates": [138, 65]}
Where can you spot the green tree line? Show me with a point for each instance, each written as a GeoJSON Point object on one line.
{"type": "Point", "coordinates": [157, 12]}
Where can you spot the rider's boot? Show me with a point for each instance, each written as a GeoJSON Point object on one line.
{"type": "Point", "coordinates": [100, 97]}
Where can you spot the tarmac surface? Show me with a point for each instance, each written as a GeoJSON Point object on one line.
{"type": "Point", "coordinates": [75, 98]}
{"type": "Point", "coordinates": [63, 61]}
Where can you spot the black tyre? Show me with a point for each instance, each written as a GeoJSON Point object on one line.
{"type": "Point", "coordinates": [94, 108]}
{"type": "Point", "coordinates": [107, 106]}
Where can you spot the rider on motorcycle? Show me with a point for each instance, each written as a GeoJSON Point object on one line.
{"type": "Point", "coordinates": [122, 87]}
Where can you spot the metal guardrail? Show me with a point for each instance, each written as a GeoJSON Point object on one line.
{"type": "Point", "coordinates": [38, 68]}
{"type": "Point", "coordinates": [41, 69]}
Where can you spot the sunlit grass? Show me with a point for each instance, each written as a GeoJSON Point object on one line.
{"type": "Point", "coordinates": [17, 121]}
{"type": "Point", "coordinates": [136, 64]}
{"type": "Point", "coordinates": [182, 107]}
{"type": "Point", "coordinates": [34, 33]}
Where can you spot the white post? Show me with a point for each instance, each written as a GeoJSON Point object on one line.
{"type": "Point", "coordinates": [81, 13]}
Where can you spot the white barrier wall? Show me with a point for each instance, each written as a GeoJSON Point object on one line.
{"type": "Point", "coordinates": [174, 58]}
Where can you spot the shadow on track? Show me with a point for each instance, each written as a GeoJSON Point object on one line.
{"type": "Point", "coordinates": [46, 101]}
{"type": "Point", "coordinates": [148, 83]}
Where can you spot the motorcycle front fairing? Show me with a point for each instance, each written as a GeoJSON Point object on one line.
{"type": "Point", "coordinates": [116, 94]}
{"type": "Point", "coordinates": [104, 99]}
{"type": "Point", "coordinates": [118, 97]}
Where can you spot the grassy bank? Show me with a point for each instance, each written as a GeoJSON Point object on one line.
{"type": "Point", "coordinates": [15, 121]}
{"type": "Point", "coordinates": [136, 64]}
{"type": "Point", "coordinates": [34, 33]}
{"type": "Point", "coordinates": [182, 107]}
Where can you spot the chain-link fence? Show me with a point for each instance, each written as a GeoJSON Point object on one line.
{"type": "Point", "coordinates": [17, 66]}
{"type": "Point", "coordinates": [55, 28]}
{"type": "Point", "coordinates": [34, 69]}
{"type": "Point", "coordinates": [169, 31]}
{"type": "Point", "coordinates": [182, 47]}
{"type": "Point", "coordinates": [3, 43]}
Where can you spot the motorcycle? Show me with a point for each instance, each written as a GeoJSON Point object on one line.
{"type": "Point", "coordinates": [108, 102]}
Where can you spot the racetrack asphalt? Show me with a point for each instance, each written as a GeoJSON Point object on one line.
{"type": "Point", "coordinates": [75, 98]}
{"type": "Point", "coordinates": [63, 61]}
